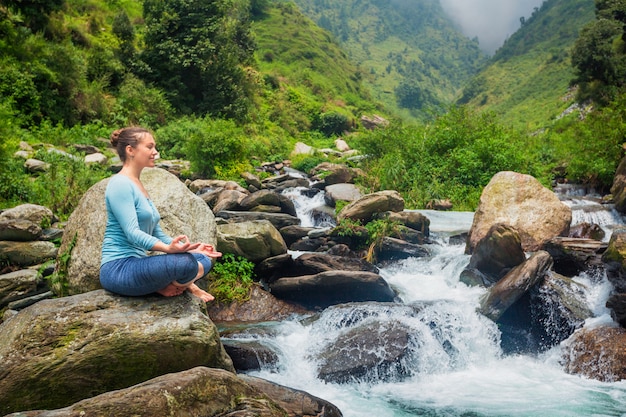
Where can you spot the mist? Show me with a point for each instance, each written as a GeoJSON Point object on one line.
{"type": "Point", "coordinates": [491, 21]}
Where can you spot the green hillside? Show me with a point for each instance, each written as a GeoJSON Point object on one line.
{"type": "Point", "coordinates": [417, 60]}
{"type": "Point", "coordinates": [308, 77]}
{"type": "Point", "coordinates": [526, 82]}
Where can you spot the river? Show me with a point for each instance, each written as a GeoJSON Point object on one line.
{"type": "Point", "coordinates": [456, 366]}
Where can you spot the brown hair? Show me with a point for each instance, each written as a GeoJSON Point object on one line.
{"type": "Point", "coordinates": [121, 138]}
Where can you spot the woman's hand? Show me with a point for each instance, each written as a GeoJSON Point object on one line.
{"type": "Point", "coordinates": [181, 244]}
{"type": "Point", "coordinates": [208, 250]}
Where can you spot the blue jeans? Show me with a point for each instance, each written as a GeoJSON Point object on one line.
{"type": "Point", "coordinates": [141, 276]}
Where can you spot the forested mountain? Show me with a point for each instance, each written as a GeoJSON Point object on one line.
{"type": "Point", "coordinates": [416, 57]}
{"type": "Point", "coordinates": [526, 82]}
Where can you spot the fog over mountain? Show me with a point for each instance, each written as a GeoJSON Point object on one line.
{"type": "Point", "coordinates": [491, 21]}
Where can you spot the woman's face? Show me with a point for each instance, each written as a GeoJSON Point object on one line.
{"type": "Point", "coordinates": [145, 153]}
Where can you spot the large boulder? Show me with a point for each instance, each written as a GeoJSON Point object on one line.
{"type": "Point", "coordinates": [366, 207]}
{"type": "Point", "coordinates": [597, 353]}
{"type": "Point", "coordinates": [199, 391]}
{"type": "Point", "coordinates": [254, 240]}
{"type": "Point", "coordinates": [182, 212]}
{"type": "Point", "coordinates": [522, 202]}
{"type": "Point", "coordinates": [35, 213]}
{"type": "Point", "coordinates": [60, 351]}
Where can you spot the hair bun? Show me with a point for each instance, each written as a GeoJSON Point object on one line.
{"type": "Point", "coordinates": [115, 136]}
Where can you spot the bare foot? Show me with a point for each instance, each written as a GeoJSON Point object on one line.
{"type": "Point", "coordinates": [200, 293]}
{"type": "Point", "coordinates": [171, 291]}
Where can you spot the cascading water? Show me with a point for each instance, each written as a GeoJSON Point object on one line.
{"type": "Point", "coordinates": [451, 363]}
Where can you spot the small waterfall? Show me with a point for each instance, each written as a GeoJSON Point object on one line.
{"type": "Point", "coordinates": [449, 361]}
{"type": "Point", "coordinates": [587, 207]}
{"type": "Point", "coordinates": [310, 207]}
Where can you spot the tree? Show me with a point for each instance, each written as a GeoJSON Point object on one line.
{"type": "Point", "coordinates": [197, 51]}
{"type": "Point", "coordinates": [599, 54]}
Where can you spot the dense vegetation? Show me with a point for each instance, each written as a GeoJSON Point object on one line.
{"type": "Point", "coordinates": [228, 83]}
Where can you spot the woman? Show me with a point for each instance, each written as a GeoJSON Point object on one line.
{"type": "Point", "coordinates": [133, 229]}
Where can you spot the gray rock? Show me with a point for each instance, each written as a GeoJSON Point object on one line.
{"type": "Point", "coordinates": [21, 230]}
{"type": "Point", "coordinates": [253, 240]}
{"type": "Point", "coordinates": [27, 253]}
{"type": "Point", "coordinates": [33, 212]}
{"type": "Point", "coordinates": [333, 287]}
{"type": "Point", "coordinates": [17, 285]}
{"type": "Point", "coordinates": [63, 350]}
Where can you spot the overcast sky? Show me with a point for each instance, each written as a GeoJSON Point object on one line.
{"type": "Point", "coordinates": [492, 21]}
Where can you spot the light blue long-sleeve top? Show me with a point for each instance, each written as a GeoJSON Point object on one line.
{"type": "Point", "coordinates": [132, 221]}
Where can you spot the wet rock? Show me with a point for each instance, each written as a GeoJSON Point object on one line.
{"type": "Point", "coordinates": [597, 353]}
{"type": "Point", "coordinates": [376, 350]}
{"type": "Point", "coordinates": [575, 255]}
{"type": "Point", "coordinates": [249, 355]}
{"type": "Point", "coordinates": [495, 255]}
{"type": "Point", "coordinates": [394, 249]}
{"type": "Point", "coordinates": [515, 284]}
{"type": "Point", "coordinates": [294, 233]}
{"type": "Point", "coordinates": [615, 259]}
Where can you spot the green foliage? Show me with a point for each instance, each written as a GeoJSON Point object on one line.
{"type": "Point", "coordinates": [332, 124]}
{"type": "Point", "coordinates": [214, 147]}
{"type": "Point", "coordinates": [305, 163]}
{"type": "Point", "coordinates": [59, 283]}
{"type": "Point", "coordinates": [526, 82]}
{"type": "Point", "coordinates": [590, 150]}
{"type": "Point", "coordinates": [196, 51]}
{"type": "Point", "coordinates": [231, 279]}
{"type": "Point", "coordinates": [453, 158]}
{"type": "Point", "coordinates": [599, 54]}
{"type": "Point", "coordinates": [377, 231]}
{"type": "Point", "coordinates": [138, 104]}
{"type": "Point", "coordinates": [62, 186]}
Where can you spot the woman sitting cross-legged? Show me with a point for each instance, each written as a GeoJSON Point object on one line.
{"type": "Point", "coordinates": [133, 228]}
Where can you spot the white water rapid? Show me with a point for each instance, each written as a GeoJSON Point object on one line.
{"type": "Point", "coordinates": [456, 366]}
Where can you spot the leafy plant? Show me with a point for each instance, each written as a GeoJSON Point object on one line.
{"type": "Point", "coordinates": [58, 279]}
{"type": "Point", "coordinates": [231, 279]}
{"type": "Point", "coordinates": [377, 231]}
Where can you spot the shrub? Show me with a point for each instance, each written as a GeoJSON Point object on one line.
{"type": "Point", "coordinates": [231, 279]}
{"type": "Point", "coordinates": [214, 146]}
